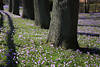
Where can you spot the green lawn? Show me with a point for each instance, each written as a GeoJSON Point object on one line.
{"type": "Point", "coordinates": [33, 51]}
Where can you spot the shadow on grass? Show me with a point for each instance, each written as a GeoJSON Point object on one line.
{"type": "Point", "coordinates": [93, 18]}
{"type": "Point", "coordinates": [89, 34]}
{"type": "Point", "coordinates": [90, 50]}
{"type": "Point", "coordinates": [89, 25]}
{"type": "Point", "coordinates": [11, 53]}
{"type": "Point", "coordinates": [90, 16]}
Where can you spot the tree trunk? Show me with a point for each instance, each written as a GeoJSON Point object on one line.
{"type": "Point", "coordinates": [95, 6]}
{"type": "Point", "coordinates": [28, 9]}
{"type": "Point", "coordinates": [15, 7]}
{"type": "Point", "coordinates": [1, 20]}
{"type": "Point", "coordinates": [1, 5]}
{"type": "Point", "coordinates": [10, 5]}
{"type": "Point", "coordinates": [63, 27]}
{"type": "Point", "coordinates": [50, 5]}
{"type": "Point", "coordinates": [42, 14]}
{"type": "Point", "coordinates": [87, 6]}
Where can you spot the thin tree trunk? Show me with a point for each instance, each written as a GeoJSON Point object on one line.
{"type": "Point", "coordinates": [28, 9]}
{"type": "Point", "coordinates": [63, 27]}
{"type": "Point", "coordinates": [15, 7]}
{"type": "Point", "coordinates": [42, 14]}
{"type": "Point", "coordinates": [95, 6]}
{"type": "Point", "coordinates": [87, 6]}
{"type": "Point", "coordinates": [10, 5]}
{"type": "Point", "coordinates": [1, 20]}
{"type": "Point", "coordinates": [1, 5]}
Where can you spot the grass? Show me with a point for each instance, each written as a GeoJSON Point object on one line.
{"type": "Point", "coordinates": [33, 51]}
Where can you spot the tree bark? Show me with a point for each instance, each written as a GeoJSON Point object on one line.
{"type": "Point", "coordinates": [63, 26]}
{"type": "Point", "coordinates": [50, 5]}
{"type": "Point", "coordinates": [1, 20]}
{"type": "Point", "coordinates": [15, 7]}
{"type": "Point", "coordinates": [10, 5]}
{"type": "Point", "coordinates": [28, 9]}
{"type": "Point", "coordinates": [1, 5]}
{"type": "Point", "coordinates": [87, 6]}
{"type": "Point", "coordinates": [42, 14]}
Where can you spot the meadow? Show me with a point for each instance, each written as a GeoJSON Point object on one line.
{"type": "Point", "coordinates": [31, 49]}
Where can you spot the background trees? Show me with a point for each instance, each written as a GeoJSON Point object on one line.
{"type": "Point", "coordinates": [1, 4]}
{"type": "Point", "coordinates": [10, 5]}
{"type": "Point", "coordinates": [87, 6]}
{"type": "Point", "coordinates": [14, 6]}
{"type": "Point", "coordinates": [1, 21]}
{"type": "Point", "coordinates": [63, 27]}
{"type": "Point", "coordinates": [42, 14]}
{"type": "Point", "coordinates": [28, 9]}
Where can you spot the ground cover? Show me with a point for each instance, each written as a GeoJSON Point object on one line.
{"type": "Point", "coordinates": [33, 51]}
